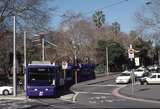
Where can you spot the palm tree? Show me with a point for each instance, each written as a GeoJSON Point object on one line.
{"type": "Point", "coordinates": [98, 18]}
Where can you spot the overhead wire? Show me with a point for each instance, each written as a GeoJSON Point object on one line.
{"type": "Point", "coordinates": [108, 6]}
{"type": "Point", "coordinates": [102, 8]}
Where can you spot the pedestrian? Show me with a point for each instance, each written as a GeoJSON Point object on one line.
{"type": "Point", "coordinates": [20, 84]}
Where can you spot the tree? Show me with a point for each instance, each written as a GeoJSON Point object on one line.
{"type": "Point", "coordinates": [79, 35]}
{"type": "Point", "coordinates": [29, 14]}
{"type": "Point", "coordinates": [98, 18]}
{"type": "Point", "coordinates": [116, 54]}
{"type": "Point", "coordinates": [143, 47]}
{"type": "Point", "coordinates": [115, 29]}
{"type": "Point", "coordinates": [148, 19]}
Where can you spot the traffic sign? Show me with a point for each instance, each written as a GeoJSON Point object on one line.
{"type": "Point", "coordinates": [64, 65]}
{"type": "Point", "coordinates": [137, 63]}
{"type": "Point", "coordinates": [131, 52]}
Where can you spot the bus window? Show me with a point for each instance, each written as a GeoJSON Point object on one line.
{"type": "Point", "coordinates": [41, 76]}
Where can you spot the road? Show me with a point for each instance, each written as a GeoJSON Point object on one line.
{"type": "Point", "coordinates": [98, 95]}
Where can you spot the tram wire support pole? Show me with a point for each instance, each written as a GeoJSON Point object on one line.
{"type": "Point", "coordinates": [42, 48]}
{"type": "Point", "coordinates": [14, 58]}
{"type": "Point", "coordinates": [25, 60]}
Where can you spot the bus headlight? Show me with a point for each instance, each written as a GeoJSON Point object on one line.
{"type": "Point", "coordinates": [53, 82]}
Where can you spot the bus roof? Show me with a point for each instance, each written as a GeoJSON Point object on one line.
{"type": "Point", "coordinates": [42, 65]}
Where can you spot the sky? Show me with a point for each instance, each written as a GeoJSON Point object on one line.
{"type": "Point", "coordinates": [124, 13]}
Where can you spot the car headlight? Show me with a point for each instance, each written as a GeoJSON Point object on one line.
{"type": "Point", "coordinates": [11, 89]}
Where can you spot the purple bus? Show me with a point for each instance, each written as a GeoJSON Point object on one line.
{"type": "Point", "coordinates": [42, 80]}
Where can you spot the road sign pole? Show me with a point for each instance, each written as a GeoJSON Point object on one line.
{"type": "Point", "coordinates": [132, 77]}
{"type": "Point", "coordinates": [131, 57]}
{"type": "Point", "coordinates": [64, 74]}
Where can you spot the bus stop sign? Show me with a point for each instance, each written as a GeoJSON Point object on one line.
{"type": "Point", "coordinates": [64, 65]}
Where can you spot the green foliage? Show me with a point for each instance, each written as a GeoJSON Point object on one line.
{"type": "Point", "coordinates": [116, 27]}
{"type": "Point", "coordinates": [98, 18]}
{"type": "Point", "coordinates": [141, 44]}
{"type": "Point", "coordinates": [116, 53]}
{"type": "Point", "coordinates": [143, 47]}
{"type": "Point", "coordinates": [100, 69]}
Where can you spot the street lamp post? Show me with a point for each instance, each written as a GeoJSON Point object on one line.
{"type": "Point", "coordinates": [14, 57]}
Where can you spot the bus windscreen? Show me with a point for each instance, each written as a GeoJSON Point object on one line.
{"type": "Point", "coordinates": [41, 76]}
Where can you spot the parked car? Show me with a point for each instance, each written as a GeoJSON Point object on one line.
{"type": "Point", "coordinates": [6, 90]}
{"type": "Point", "coordinates": [154, 78]}
{"type": "Point", "coordinates": [125, 77]}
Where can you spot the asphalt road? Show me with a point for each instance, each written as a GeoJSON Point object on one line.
{"type": "Point", "coordinates": [100, 96]}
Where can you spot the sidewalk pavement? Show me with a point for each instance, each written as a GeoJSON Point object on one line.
{"type": "Point", "coordinates": [11, 97]}
{"type": "Point", "coordinates": [147, 92]}
{"type": "Point", "coordinates": [20, 96]}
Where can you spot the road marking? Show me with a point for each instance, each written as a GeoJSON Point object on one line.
{"type": "Point", "coordinates": [74, 97]}
{"type": "Point", "coordinates": [110, 101]}
{"type": "Point", "coordinates": [108, 85]}
{"type": "Point", "coordinates": [92, 102]}
{"type": "Point", "coordinates": [102, 85]}
{"type": "Point", "coordinates": [67, 97]}
{"type": "Point", "coordinates": [96, 93]}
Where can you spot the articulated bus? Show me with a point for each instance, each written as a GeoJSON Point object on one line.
{"type": "Point", "coordinates": [45, 79]}
{"type": "Point", "coordinates": [42, 79]}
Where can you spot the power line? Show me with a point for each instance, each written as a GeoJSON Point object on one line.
{"type": "Point", "coordinates": [108, 6]}
{"type": "Point", "coordinates": [105, 7]}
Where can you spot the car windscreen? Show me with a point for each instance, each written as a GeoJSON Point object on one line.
{"type": "Point", "coordinates": [125, 74]}
{"type": "Point", "coordinates": [139, 70]}
{"type": "Point", "coordinates": [41, 76]}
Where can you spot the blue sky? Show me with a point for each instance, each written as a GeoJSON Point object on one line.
{"type": "Point", "coordinates": [122, 13]}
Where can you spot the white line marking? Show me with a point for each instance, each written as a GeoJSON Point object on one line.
{"type": "Point", "coordinates": [111, 85]}
{"type": "Point", "coordinates": [92, 102]}
{"type": "Point", "coordinates": [74, 97]}
{"type": "Point", "coordinates": [96, 93]}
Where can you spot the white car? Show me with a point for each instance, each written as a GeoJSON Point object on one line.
{"type": "Point", "coordinates": [140, 72]}
{"type": "Point", "coordinates": [125, 77]}
{"type": "Point", "coordinates": [6, 90]}
{"type": "Point", "coordinates": [154, 78]}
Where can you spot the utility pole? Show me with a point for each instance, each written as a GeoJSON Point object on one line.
{"type": "Point", "coordinates": [24, 60]}
{"type": "Point", "coordinates": [43, 49]}
{"type": "Point", "coordinates": [14, 57]}
{"type": "Point", "coordinates": [76, 73]}
{"type": "Point", "coordinates": [158, 57]}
